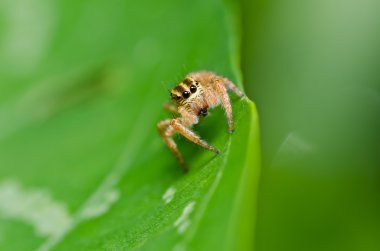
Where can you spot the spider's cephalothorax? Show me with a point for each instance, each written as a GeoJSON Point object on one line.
{"type": "Point", "coordinates": [192, 98]}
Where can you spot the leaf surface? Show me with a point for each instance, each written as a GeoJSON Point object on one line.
{"type": "Point", "coordinates": [82, 166]}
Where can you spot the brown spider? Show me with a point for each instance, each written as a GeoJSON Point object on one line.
{"type": "Point", "coordinates": [192, 98]}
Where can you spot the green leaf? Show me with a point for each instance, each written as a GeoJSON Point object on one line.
{"type": "Point", "coordinates": [82, 166]}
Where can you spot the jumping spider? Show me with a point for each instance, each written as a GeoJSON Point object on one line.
{"type": "Point", "coordinates": [192, 98]}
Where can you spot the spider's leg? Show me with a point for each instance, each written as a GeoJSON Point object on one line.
{"type": "Point", "coordinates": [231, 86]}
{"type": "Point", "coordinates": [221, 92]}
{"type": "Point", "coordinates": [171, 108]}
{"type": "Point", "coordinates": [166, 132]}
{"type": "Point", "coordinates": [190, 135]}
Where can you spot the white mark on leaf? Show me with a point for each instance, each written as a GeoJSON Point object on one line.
{"type": "Point", "coordinates": [169, 195]}
{"type": "Point", "coordinates": [130, 152]}
{"type": "Point", "coordinates": [33, 206]}
{"type": "Point", "coordinates": [183, 222]}
{"type": "Point", "coordinates": [179, 247]}
{"type": "Point", "coordinates": [101, 204]}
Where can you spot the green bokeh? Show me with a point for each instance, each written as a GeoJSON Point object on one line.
{"type": "Point", "coordinates": [313, 70]}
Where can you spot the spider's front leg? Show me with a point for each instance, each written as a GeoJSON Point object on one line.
{"type": "Point", "coordinates": [166, 131]}
{"type": "Point", "coordinates": [171, 108]}
{"type": "Point", "coordinates": [178, 126]}
{"type": "Point", "coordinates": [168, 127]}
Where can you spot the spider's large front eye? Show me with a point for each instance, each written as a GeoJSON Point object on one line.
{"type": "Point", "coordinates": [193, 88]}
{"type": "Point", "coordinates": [186, 94]}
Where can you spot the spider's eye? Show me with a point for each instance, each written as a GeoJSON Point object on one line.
{"type": "Point", "coordinates": [196, 83]}
{"type": "Point", "coordinates": [186, 94]}
{"type": "Point", "coordinates": [193, 88]}
{"type": "Point", "coordinates": [176, 97]}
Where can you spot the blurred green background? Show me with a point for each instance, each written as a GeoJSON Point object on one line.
{"type": "Point", "coordinates": [312, 67]}
{"type": "Point", "coordinates": [79, 78]}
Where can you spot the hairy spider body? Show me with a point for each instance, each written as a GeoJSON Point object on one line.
{"type": "Point", "coordinates": [192, 98]}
